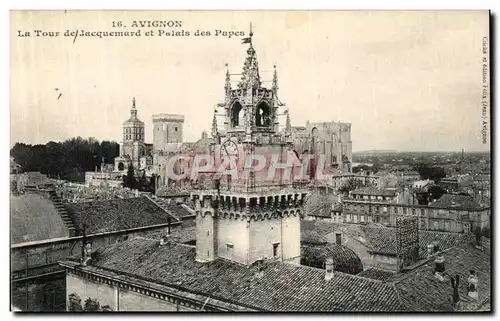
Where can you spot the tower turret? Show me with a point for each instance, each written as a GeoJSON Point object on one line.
{"type": "Point", "coordinates": [249, 214]}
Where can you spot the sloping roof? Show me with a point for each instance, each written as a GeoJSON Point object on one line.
{"type": "Point", "coordinates": [381, 240]}
{"type": "Point", "coordinates": [280, 286]}
{"type": "Point", "coordinates": [421, 291]}
{"type": "Point", "coordinates": [459, 202]}
{"type": "Point", "coordinates": [117, 214]}
{"type": "Point", "coordinates": [34, 218]}
{"type": "Point", "coordinates": [309, 236]}
{"type": "Point", "coordinates": [174, 209]}
{"type": "Point", "coordinates": [373, 191]}
{"type": "Point", "coordinates": [321, 211]}
{"type": "Point", "coordinates": [377, 274]}
{"type": "Point", "coordinates": [344, 259]}
{"type": "Point", "coordinates": [183, 234]}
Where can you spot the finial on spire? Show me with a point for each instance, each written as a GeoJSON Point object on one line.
{"type": "Point", "coordinates": [288, 124]}
{"type": "Point", "coordinates": [227, 86]}
{"type": "Point", "coordinates": [251, 31]}
{"type": "Point", "coordinates": [275, 79]}
{"type": "Point", "coordinates": [214, 126]}
{"type": "Point", "coordinates": [133, 102]}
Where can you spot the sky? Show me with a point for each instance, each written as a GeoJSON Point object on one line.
{"type": "Point", "coordinates": [405, 80]}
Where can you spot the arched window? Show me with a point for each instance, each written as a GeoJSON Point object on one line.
{"type": "Point", "coordinates": [236, 115]}
{"type": "Point", "coordinates": [263, 115]}
{"type": "Point", "coordinates": [121, 166]}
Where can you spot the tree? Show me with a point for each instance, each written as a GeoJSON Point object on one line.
{"type": "Point", "coordinates": [129, 180]}
{"type": "Point", "coordinates": [428, 171]}
{"type": "Point", "coordinates": [74, 302]}
{"type": "Point", "coordinates": [436, 192]}
{"type": "Point", "coordinates": [64, 159]}
{"type": "Point", "coordinates": [350, 185]}
{"type": "Point", "coordinates": [478, 234]}
{"type": "Point", "coordinates": [143, 183]}
{"type": "Point", "coordinates": [486, 232]}
{"type": "Point", "coordinates": [92, 305]}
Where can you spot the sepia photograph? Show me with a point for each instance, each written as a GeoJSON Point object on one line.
{"type": "Point", "coordinates": [250, 161]}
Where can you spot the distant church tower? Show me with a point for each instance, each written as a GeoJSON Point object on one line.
{"type": "Point", "coordinates": [251, 217]}
{"type": "Point", "coordinates": [132, 145]}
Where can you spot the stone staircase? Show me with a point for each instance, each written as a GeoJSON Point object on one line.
{"type": "Point", "coordinates": [164, 206]}
{"type": "Point", "coordinates": [61, 208]}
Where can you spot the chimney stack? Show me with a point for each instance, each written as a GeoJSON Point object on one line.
{"type": "Point", "coordinates": [430, 250]}
{"type": "Point", "coordinates": [439, 267]}
{"type": "Point", "coordinates": [329, 269]}
{"type": "Point", "coordinates": [87, 253]}
{"type": "Point", "coordinates": [455, 282]}
{"type": "Point", "coordinates": [473, 282]}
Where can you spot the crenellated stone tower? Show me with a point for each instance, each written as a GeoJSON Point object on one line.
{"type": "Point", "coordinates": [252, 215]}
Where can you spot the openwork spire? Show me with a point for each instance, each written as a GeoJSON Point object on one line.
{"type": "Point", "coordinates": [227, 86]}
{"type": "Point", "coordinates": [214, 126]}
{"type": "Point", "coordinates": [250, 77]}
{"type": "Point", "coordinates": [275, 80]}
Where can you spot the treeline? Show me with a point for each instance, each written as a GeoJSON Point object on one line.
{"type": "Point", "coordinates": [428, 171]}
{"type": "Point", "coordinates": [65, 160]}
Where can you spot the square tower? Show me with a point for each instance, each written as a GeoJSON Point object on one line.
{"type": "Point", "coordinates": [167, 129]}
{"type": "Point", "coordinates": [249, 213]}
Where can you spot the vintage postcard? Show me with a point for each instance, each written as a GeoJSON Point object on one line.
{"type": "Point", "coordinates": [250, 161]}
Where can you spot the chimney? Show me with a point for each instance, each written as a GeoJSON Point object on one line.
{"type": "Point", "coordinates": [439, 267]}
{"type": "Point", "coordinates": [430, 250]}
{"type": "Point", "coordinates": [329, 269]}
{"type": "Point", "coordinates": [472, 287]}
{"type": "Point", "coordinates": [163, 240]}
{"type": "Point", "coordinates": [87, 253]}
{"type": "Point", "coordinates": [455, 283]}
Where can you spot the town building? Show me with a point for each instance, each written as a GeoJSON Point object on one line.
{"type": "Point", "coordinates": [451, 213]}
{"type": "Point", "coordinates": [248, 250]}
{"type": "Point", "coordinates": [45, 230]}
{"type": "Point", "coordinates": [167, 129]}
{"type": "Point", "coordinates": [133, 150]}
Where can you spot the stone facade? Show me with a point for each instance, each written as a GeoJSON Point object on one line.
{"type": "Point", "coordinates": [332, 139]}
{"type": "Point", "coordinates": [116, 296]}
{"type": "Point", "coordinates": [430, 218]}
{"type": "Point", "coordinates": [167, 129]}
{"type": "Point", "coordinates": [253, 217]}
{"type": "Point", "coordinates": [133, 150]}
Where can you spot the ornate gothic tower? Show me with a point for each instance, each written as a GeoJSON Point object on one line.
{"type": "Point", "coordinates": [252, 211]}
{"type": "Point", "coordinates": [133, 137]}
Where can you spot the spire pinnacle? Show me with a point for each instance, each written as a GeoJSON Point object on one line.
{"type": "Point", "coordinates": [250, 76]}
{"type": "Point", "coordinates": [214, 126]}
{"type": "Point", "coordinates": [227, 87]}
{"type": "Point", "coordinates": [275, 80]}
{"type": "Point", "coordinates": [133, 102]}
{"type": "Point", "coordinates": [288, 126]}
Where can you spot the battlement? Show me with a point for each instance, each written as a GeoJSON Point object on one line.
{"type": "Point", "coordinates": [168, 118]}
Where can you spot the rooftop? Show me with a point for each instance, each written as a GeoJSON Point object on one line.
{"type": "Point", "coordinates": [344, 259]}
{"type": "Point", "coordinates": [461, 202]}
{"type": "Point", "coordinates": [373, 191]}
{"type": "Point", "coordinates": [377, 274]}
{"type": "Point", "coordinates": [380, 240]}
{"type": "Point", "coordinates": [280, 286]}
{"type": "Point", "coordinates": [33, 218]}
{"type": "Point", "coordinates": [117, 214]}
{"type": "Point", "coordinates": [420, 290]}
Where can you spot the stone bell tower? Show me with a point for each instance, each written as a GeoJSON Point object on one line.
{"type": "Point", "coordinates": [253, 213]}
